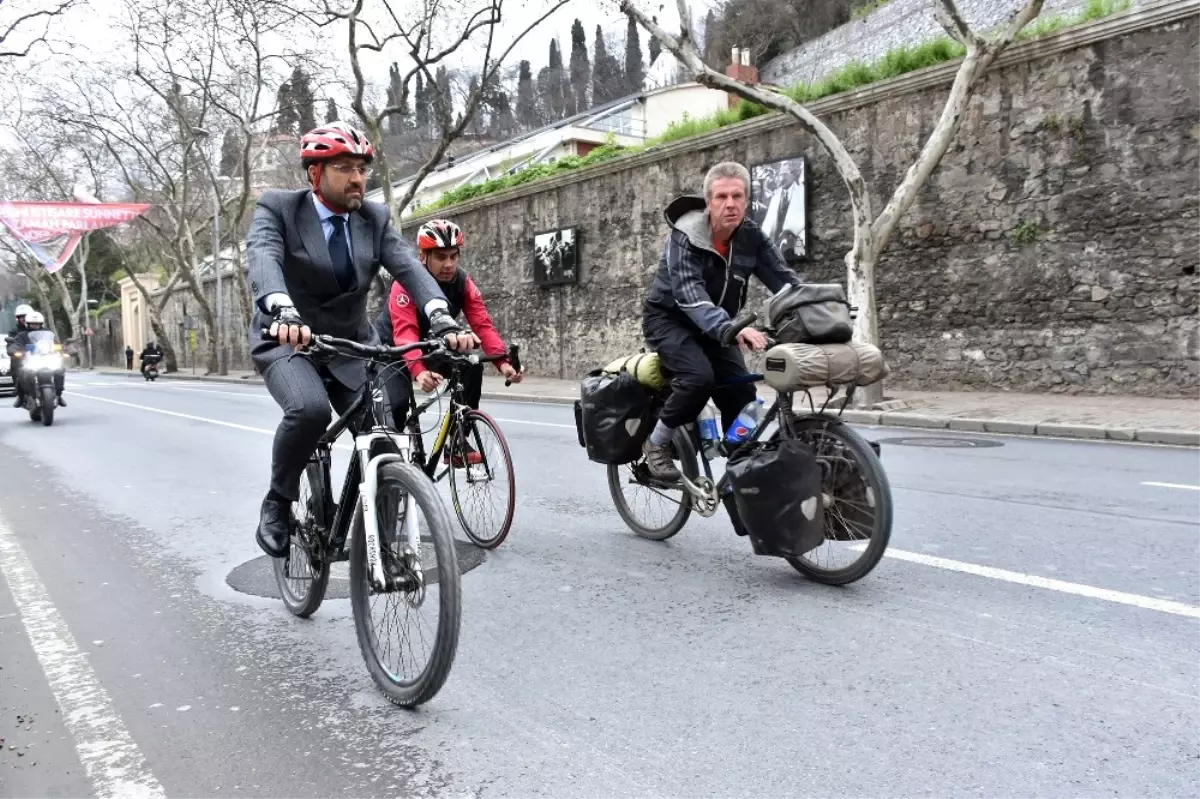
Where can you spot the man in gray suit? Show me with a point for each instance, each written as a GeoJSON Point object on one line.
{"type": "Point", "coordinates": [312, 254]}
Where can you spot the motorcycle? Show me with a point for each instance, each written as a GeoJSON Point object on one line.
{"type": "Point", "coordinates": [42, 367]}
{"type": "Point", "coordinates": [150, 366]}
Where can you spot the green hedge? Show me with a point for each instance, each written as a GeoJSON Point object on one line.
{"type": "Point", "coordinates": [854, 75]}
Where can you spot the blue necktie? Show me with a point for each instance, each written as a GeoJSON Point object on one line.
{"type": "Point", "coordinates": [339, 253]}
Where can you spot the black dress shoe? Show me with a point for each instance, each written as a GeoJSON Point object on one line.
{"type": "Point", "coordinates": [274, 527]}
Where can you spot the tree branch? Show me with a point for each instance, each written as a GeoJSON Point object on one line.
{"type": "Point", "coordinates": [684, 49]}
{"type": "Point", "coordinates": [980, 55]}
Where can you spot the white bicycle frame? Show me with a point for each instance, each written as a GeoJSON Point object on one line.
{"type": "Point", "coordinates": [367, 490]}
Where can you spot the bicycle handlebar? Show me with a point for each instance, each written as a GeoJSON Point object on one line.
{"type": "Point", "coordinates": [327, 343]}
{"type": "Point", "coordinates": [740, 323]}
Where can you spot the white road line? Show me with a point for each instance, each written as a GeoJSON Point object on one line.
{"type": "Point", "coordinates": [1120, 597]}
{"type": "Point", "coordinates": [261, 430]}
{"type": "Point", "coordinates": [539, 424]}
{"type": "Point", "coordinates": [226, 393]}
{"type": "Point", "coordinates": [178, 415]}
{"type": "Point", "coordinates": [108, 753]}
{"type": "Point", "coordinates": [1172, 485]}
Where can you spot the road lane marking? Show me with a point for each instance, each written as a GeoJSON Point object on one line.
{"type": "Point", "coordinates": [1020, 578]}
{"type": "Point", "coordinates": [539, 424]}
{"type": "Point", "coordinates": [112, 760]}
{"type": "Point", "coordinates": [1172, 485]}
{"type": "Point", "coordinates": [177, 414]}
{"type": "Point", "coordinates": [233, 425]}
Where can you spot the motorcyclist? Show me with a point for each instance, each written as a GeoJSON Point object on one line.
{"type": "Point", "coordinates": [21, 313]}
{"type": "Point", "coordinates": [153, 350]}
{"type": "Point", "coordinates": [703, 277]}
{"type": "Point", "coordinates": [35, 323]}
{"type": "Point", "coordinates": [439, 243]}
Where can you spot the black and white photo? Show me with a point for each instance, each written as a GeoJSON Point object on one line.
{"type": "Point", "coordinates": [556, 257]}
{"type": "Point", "coordinates": [778, 204]}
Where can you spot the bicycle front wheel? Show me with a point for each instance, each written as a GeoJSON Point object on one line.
{"type": "Point", "coordinates": [482, 483]}
{"type": "Point", "coordinates": [408, 634]}
{"type": "Point", "coordinates": [857, 499]}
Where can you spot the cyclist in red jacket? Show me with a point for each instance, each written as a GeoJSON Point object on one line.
{"type": "Point", "coordinates": [438, 245]}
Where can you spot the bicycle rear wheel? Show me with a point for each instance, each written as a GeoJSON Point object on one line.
{"type": "Point", "coordinates": [484, 493]}
{"type": "Point", "coordinates": [857, 499]}
{"type": "Point", "coordinates": [653, 510]}
{"type": "Point", "coordinates": [429, 608]}
{"type": "Point", "coordinates": [303, 574]}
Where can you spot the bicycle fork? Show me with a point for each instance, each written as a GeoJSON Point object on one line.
{"type": "Point", "coordinates": [368, 490]}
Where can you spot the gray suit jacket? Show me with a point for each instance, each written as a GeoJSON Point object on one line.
{"type": "Point", "coordinates": [286, 252]}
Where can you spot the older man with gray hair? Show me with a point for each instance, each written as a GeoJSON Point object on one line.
{"type": "Point", "coordinates": [701, 285]}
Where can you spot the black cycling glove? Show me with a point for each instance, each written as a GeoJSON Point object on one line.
{"type": "Point", "coordinates": [288, 315]}
{"type": "Point", "coordinates": [442, 324]}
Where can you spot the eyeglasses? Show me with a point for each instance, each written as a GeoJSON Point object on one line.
{"type": "Point", "coordinates": [346, 169]}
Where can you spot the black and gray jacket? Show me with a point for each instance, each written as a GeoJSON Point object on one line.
{"type": "Point", "coordinates": [697, 286]}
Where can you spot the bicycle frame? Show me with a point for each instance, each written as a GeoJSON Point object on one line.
{"type": "Point", "coordinates": [451, 420]}
{"type": "Point", "coordinates": [704, 493]}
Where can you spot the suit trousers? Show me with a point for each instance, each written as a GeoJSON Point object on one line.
{"type": "Point", "coordinates": [304, 390]}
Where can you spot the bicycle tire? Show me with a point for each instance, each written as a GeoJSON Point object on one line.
{"type": "Point", "coordinates": [474, 418]}
{"type": "Point", "coordinates": [426, 685]}
{"type": "Point", "coordinates": [687, 465]}
{"type": "Point", "coordinates": [306, 604]}
{"type": "Point", "coordinates": [876, 479]}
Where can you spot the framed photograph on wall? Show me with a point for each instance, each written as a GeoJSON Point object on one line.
{"type": "Point", "coordinates": [556, 257]}
{"type": "Point", "coordinates": [779, 204]}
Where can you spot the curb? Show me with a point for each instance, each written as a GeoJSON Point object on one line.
{"type": "Point", "coordinates": [903, 419]}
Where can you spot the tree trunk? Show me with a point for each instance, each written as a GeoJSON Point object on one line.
{"type": "Point", "coordinates": [44, 298]}
{"type": "Point", "coordinates": [170, 363]}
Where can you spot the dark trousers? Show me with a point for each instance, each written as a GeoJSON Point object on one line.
{"type": "Point", "coordinates": [696, 366]}
{"type": "Point", "coordinates": [304, 391]}
{"type": "Point", "coordinates": [399, 386]}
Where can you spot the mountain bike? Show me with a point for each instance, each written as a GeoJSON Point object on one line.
{"type": "Point", "coordinates": [856, 494]}
{"type": "Point", "coordinates": [404, 563]}
{"type": "Point", "coordinates": [475, 454]}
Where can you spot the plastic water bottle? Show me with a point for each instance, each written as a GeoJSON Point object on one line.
{"type": "Point", "coordinates": [710, 430]}
{"type": "Point", "coordinates": [747, 421]}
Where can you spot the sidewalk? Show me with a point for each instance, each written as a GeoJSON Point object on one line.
{"type": "Point", "coordinates": [1158, 421]}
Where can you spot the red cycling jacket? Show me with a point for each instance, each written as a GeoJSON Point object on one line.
{"type": "Point", "coordinates": [409, 324]}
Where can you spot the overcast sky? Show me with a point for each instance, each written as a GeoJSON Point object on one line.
{"type": "Point", "coordinates": [82, 30]}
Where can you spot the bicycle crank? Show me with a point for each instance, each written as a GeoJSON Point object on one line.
{"type": "Point", "coordinates": [703, 494]}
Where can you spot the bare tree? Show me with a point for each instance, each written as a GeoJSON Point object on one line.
{"type": "Point", "coordinates": [871, 235]}
{"type": "Point", "coordinates": [238, 91]}
{"type": "Point", "coordinates": [38, 172]}
{"type": "Point", "coordinates": [29, 27]}
{"type": "Point", "coordinates": [420, 35]}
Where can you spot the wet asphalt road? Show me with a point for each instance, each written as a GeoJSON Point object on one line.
{"type": "Point", "coordinates": [591, 662]}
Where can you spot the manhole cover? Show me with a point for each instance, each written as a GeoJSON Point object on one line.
{"type": "Point", "coordinates": [943, 442]}
{"type": "Point", "coordinates": [257, 577]}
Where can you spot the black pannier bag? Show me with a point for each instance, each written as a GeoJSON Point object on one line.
{"type": "Point", "coordinates": [777, 495]}
{"type": "Point", "coordinates": [811, 313]}
{"type": "Point", "coordinates": [612, 417]}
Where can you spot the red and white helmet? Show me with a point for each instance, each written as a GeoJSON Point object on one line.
{"type": "Point", "coordinates": [330, 141]}
{"type": "Point", "coordinates": [439, 234]}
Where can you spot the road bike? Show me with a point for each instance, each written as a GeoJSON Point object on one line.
{"type": "Point", "coordinates": [856, 494]}
{"type": "Point", "coordinates": [475, 454]}
{"type": "Point", "coordinates": [392, 527]}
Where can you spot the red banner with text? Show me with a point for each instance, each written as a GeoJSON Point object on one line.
{"type": "Point", "coordinates": [52, 231]}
